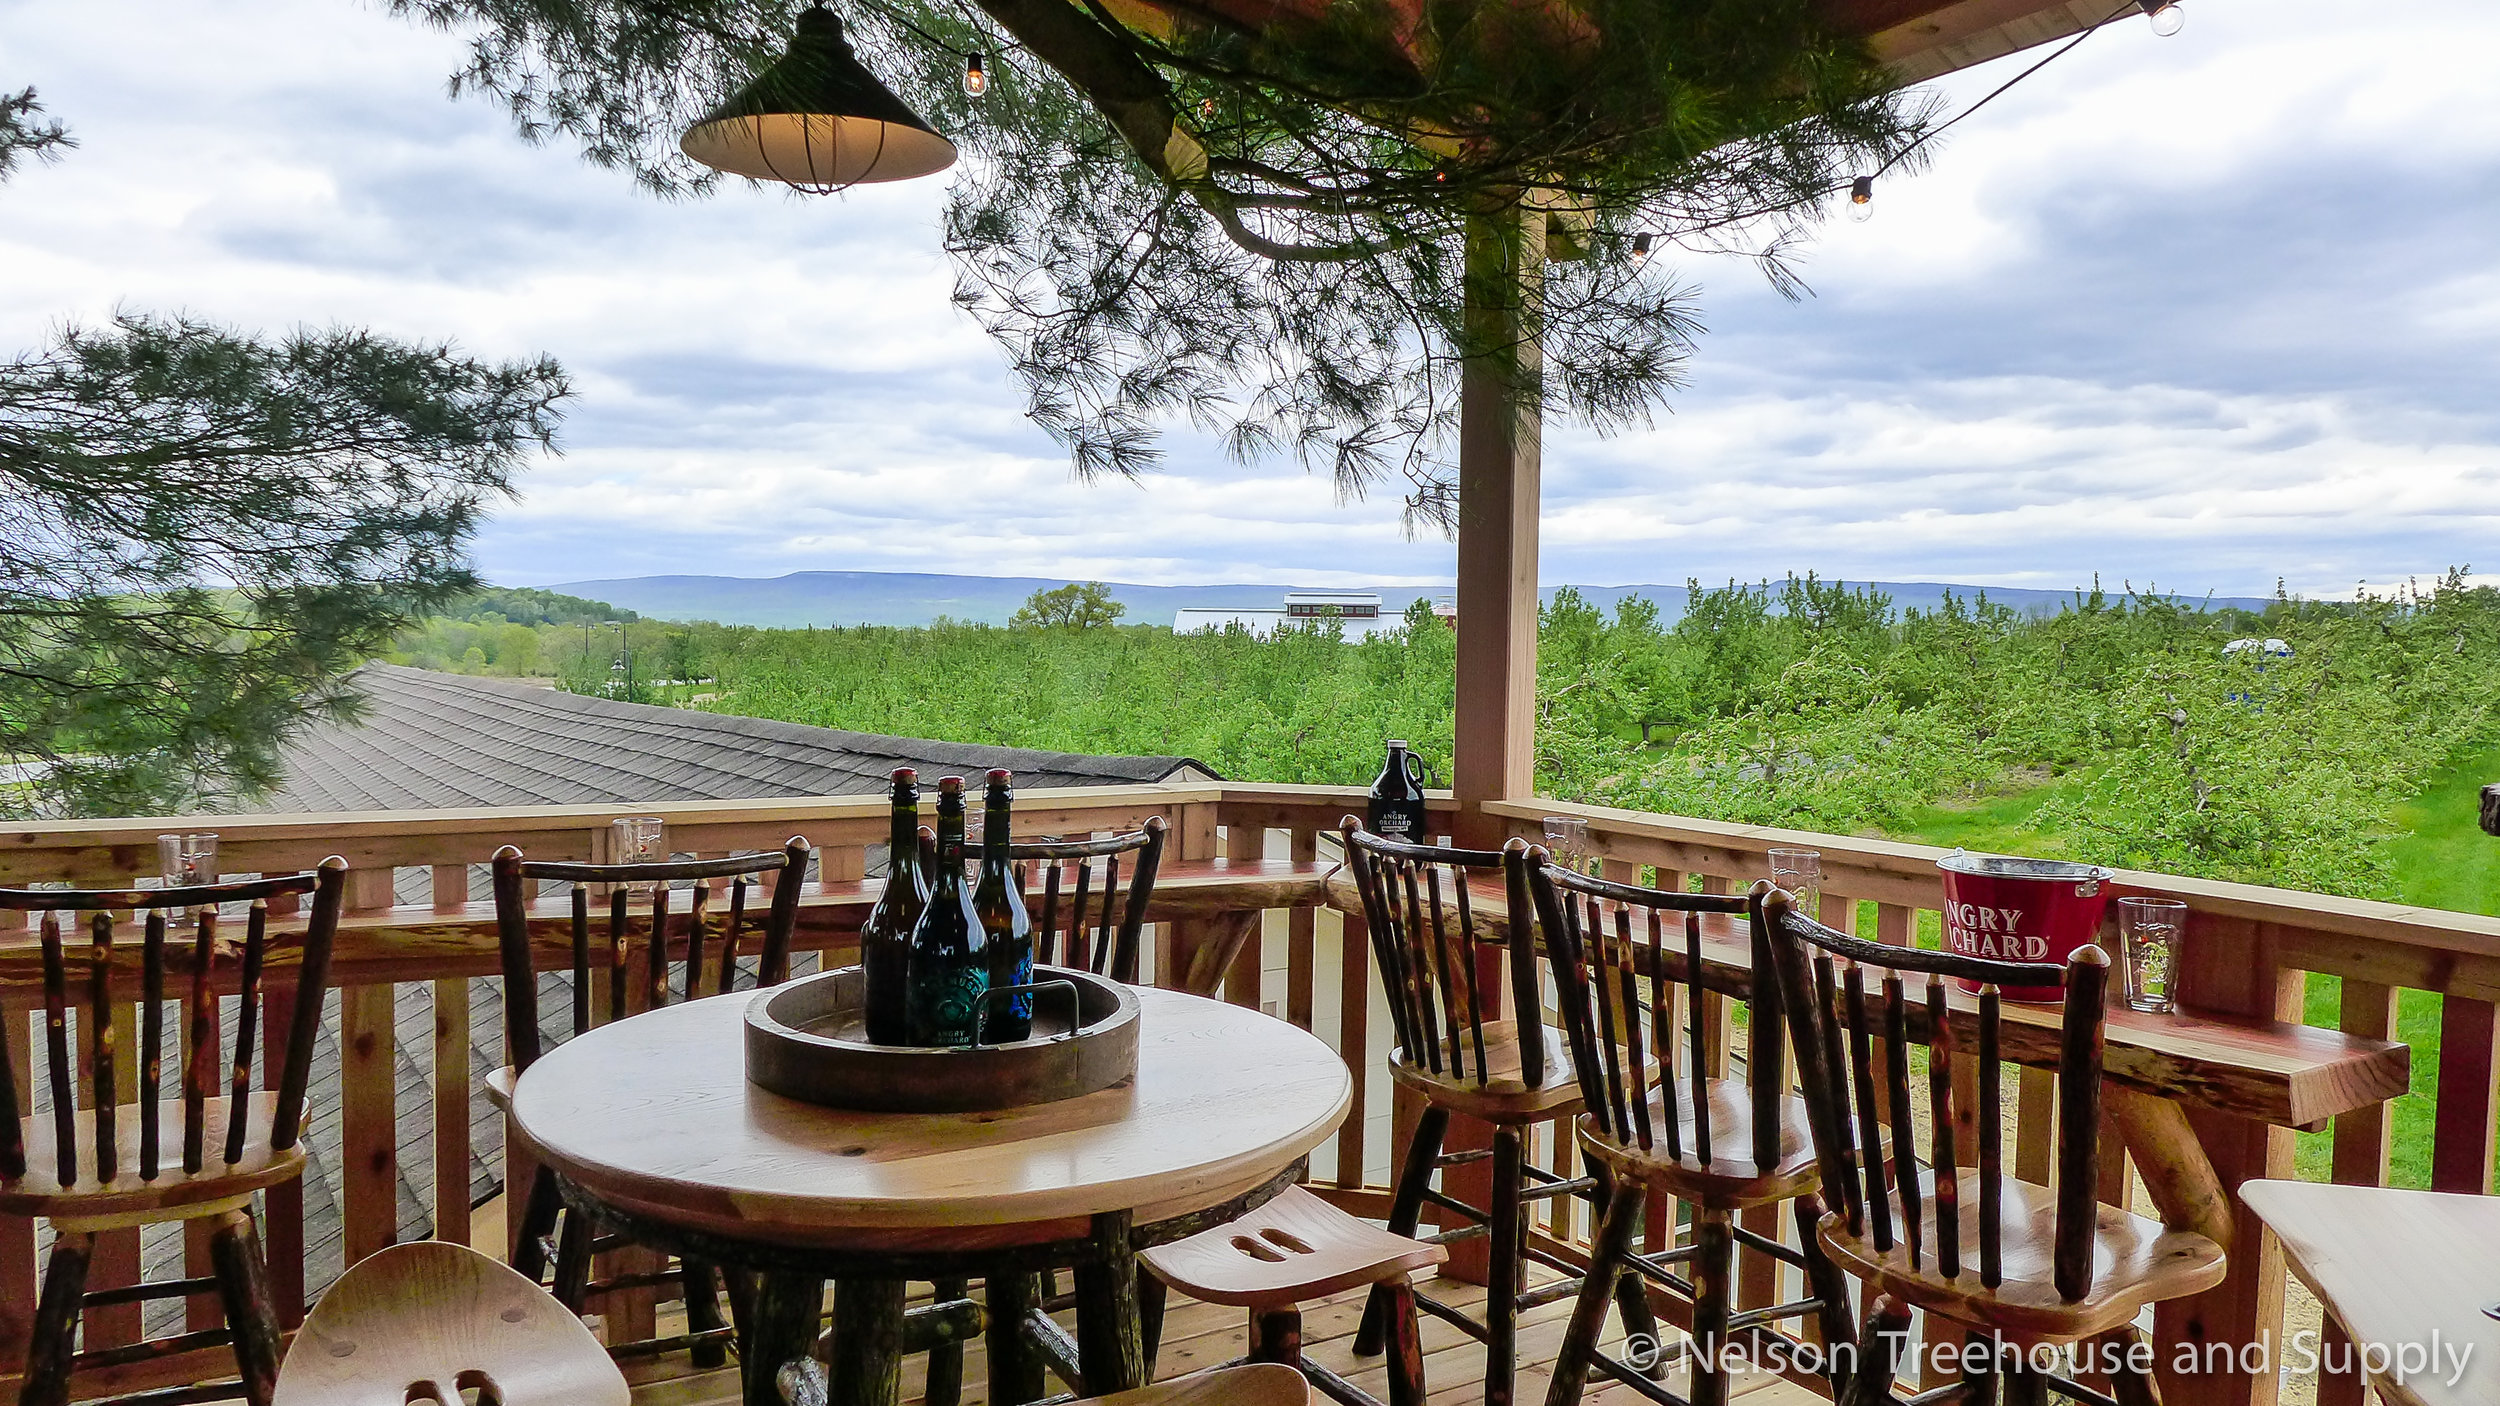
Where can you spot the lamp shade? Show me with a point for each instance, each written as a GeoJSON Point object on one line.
{"type": "Point", "coordinates": [818, 120]}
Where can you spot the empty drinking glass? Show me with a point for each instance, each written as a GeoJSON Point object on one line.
{"type": "Point", "coordinates": [635, 839]}
{"type": "Point", "coordinates": [1800, 871]}
{"type": "Point", "coordinates": [1568, 837]}
{"type": "Point", "coordinates": [2149, 928]}
{"type": "Point", "coordinates": [184, 860]}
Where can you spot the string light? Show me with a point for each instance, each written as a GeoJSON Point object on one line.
{"type": "Point", "coordinates": [2167, 17]}
{"type": "Point", "coordinates": [976, 78]}
{"type": "Point", "coordinates": [1862, 199]}
{"type": "Point", "coordinates": [1206, 108]}
{"type": "Point", "coordinates": [1640, 247]}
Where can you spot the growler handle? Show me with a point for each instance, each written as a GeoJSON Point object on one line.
{"type": "Point", "coordinates": [1415, 771]}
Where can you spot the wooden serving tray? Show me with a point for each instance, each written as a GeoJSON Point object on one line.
{"type": "Point", "coordinates": [805, 1040]}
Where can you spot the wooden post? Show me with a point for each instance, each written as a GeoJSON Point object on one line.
{"type": "Point", "coordinates": [369, 1118]}
{"type": "Point", "coordinates": [1500, 422]}
{"type": "Point", "coordinates": [369, 1092]}
{"type": "Point", "coordinates": [451, 1109]}
{"type": "Point", "coordinates": [1499, 477]}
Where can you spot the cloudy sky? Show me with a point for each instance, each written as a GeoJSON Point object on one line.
{"type": "Point", "coordinates": [2207, 311]}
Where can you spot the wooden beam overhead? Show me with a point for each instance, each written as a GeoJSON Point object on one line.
{"type": "Point", "coordinates": [1922, 39]}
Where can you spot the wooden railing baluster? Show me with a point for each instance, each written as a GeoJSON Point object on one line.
{"type": "Point", "coordinates": [1301, 937]}
{"type": "Point", "coordinates": [2362, 1141]}
{"type": "Point", "coordinates": [451, 1110]}
{"type": "Point", "coordinates": [2469, 1097]}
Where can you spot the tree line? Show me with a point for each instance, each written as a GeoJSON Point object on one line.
{"type": "Point", "coordinates": [2154, 741]}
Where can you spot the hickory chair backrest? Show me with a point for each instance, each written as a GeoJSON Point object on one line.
{"type": "Point", "coordinates": [1600, 935]}
{"type": "Point", "coordinates": [1426, 938]}
{"type": "Point", "coordinates": [1075, 873]}
{"type": "Point", "coordinates": [1829, 1013]}
{"type": "Point", "coordinates": [203, 1062]}
{"type": "Point", "coordinates": [522, 1033]}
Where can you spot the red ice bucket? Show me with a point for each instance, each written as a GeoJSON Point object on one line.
{"type": "Point", "coordinates": [2021, 910]}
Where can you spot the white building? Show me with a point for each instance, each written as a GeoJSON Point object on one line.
{"type": "Point", "coordinates": [1358, 612]}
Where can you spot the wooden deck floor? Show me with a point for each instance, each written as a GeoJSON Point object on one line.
{"type": "Point", "coordinates": [1199, 1335]}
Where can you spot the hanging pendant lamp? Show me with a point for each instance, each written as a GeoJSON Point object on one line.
{"type": "Point", "coordinates": [817, 120]}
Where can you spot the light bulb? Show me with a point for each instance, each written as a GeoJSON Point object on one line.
{"type": "Point", "coordinates": [976, 78]}
{"type": "Point", "coordinates": [1862, 199]}
{"type": "Point", "coordinates": [1206, 109]}
{"type": "Point", "coordinates": [2167, 17]}
{"type": "Point", "coordinates": [1640, 248]}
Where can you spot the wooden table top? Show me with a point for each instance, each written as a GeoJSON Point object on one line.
{"type": "Point", "coordinates": [655, 1116]}
{"type": "Point", "coordinates": [2409, 1271]}
{"type": "Point", "coordinates": [2271, 1070]}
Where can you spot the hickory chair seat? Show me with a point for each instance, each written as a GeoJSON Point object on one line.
{"type": "Point", "coordinates": [548, 1230]}
{"type": "Point", "coordinates": [1458, 1058]}
{"type": "Point", "coordinates": [99, 1165]}
{"type": "Point", "coordinates": [2009, 1261]}
{"type": "Point", "coordinates": [422, 1323]}
{"type": "Point", "coordinates": [1720, 1145]}
{"type": "Point", "coordinates": [1294, 1249]}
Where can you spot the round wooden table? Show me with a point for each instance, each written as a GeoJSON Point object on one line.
{"type": "Point", "coordinates": [651, 1125]}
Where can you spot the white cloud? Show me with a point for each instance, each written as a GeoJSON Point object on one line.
{"type": "Point", "coordinates": [2208, 311]}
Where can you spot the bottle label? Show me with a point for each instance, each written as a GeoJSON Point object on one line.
{"type": "Point", "coordinates": [946, 1004]}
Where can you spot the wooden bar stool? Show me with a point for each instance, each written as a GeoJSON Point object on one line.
{"type": "Point", "coordinates": [421, 1324]}
{"type": "Point", "coordinates": [101, 1165]}
{"type": "Point", "coordinates": [1294, 1249]}
{"type": "Point", "coordinates": [1720, 1145]}
{"type": "Point", "coordinates": [1429, 945]}
{"type": "Point", "coordinates": [549, 1231]}
{"type": "Point", "coordinates": [2053, 1267]}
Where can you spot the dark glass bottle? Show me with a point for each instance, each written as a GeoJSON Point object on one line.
{"type": "Point", "coordinates": [885, 937]}
{"type": "Point", "coordinates": [1007, 930]}
{"type": "Point", "coordinates": [1397, 802]}
{"type": "Point", "coordinates": [947, 973]}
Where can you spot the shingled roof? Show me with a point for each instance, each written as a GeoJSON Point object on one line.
{"type": "Point", "coordinates": [429, 741]}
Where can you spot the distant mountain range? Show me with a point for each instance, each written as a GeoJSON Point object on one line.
{"type": "Point", "coordinates": [913, 598]}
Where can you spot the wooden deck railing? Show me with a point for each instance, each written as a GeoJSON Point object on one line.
{"type": "Point", "coordinates": [2248, 951]}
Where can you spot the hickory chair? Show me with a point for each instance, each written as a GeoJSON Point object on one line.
{"type": "Point", "coordinates": [101, 1166]}
{"type": "Point", "coordinates": [1074, 873]}
{"type": "Point", "coordinates": [1294, 1249]}
{"type": "Point", "coordinates": [1721, 1145]}
{"type": "Point", "coordinates": [1437, 965]}
{"type": "Point", "coordinates": [548, 1230]}
{"type": "Point", "coordinates": [2011, 1262]}
{"type": "Point", "coordinates": [421, 1324]}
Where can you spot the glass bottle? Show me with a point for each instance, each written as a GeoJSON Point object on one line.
{"type": "Point", "coordinates": [1007, 930]}
{"type": "Point", "coordinates": [885, 937]}
{"type": "Point", "coordinates": [1396, 811]}
{"type": "Point", "coordinates": [948, 976]}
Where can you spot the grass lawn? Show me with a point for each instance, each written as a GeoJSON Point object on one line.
{"type": "Point", "coordinates": [2441, 859]}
